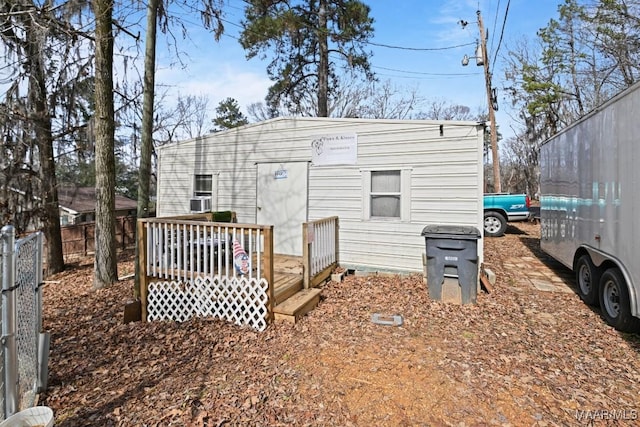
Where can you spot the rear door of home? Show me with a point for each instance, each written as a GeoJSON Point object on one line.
{"type": "Point", "coordinates": [282, 201]}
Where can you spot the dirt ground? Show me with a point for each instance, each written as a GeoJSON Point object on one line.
{"type": "Point", "coordinates": [530, 353]}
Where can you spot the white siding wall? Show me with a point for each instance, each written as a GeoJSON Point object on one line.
{"type": "Point", "coordinates": [445, 175]}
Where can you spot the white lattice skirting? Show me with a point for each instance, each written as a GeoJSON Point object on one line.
{"type": "Point", "coordinates": [238, 300]}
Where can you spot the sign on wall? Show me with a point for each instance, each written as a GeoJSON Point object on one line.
{"type": "Point", "coordinates": [281, 173]}
{"type": "Point", "coordinates": [334, 150]}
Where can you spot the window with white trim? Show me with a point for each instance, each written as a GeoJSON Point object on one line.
{"type": "Point", "coordinates": [203, 185]}
{"type": "Point", "coordinates": [386, 194]}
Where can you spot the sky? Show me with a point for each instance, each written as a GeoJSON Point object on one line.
{"type": "Point", "coordinates": [220, 70]}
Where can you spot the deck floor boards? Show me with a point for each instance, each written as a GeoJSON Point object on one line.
{"type": "Point", "coordinates": [287, 275]}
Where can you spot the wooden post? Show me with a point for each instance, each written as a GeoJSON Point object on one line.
{"type": "Point", "coordinates": [268, 268]}
{"type": "Point", "coordinates": [122, 235]}
{"type": "Point", "coordinates": [131, 228]}
{"type": "Point", "coordinates": [497, 186]}
{"type": "Point", "coordinates": [141, 277]}
{"type": "Point", "coordinates": [84, 239]}
{"type": "Point", "coordinates": [306, 256]}
{"type": "Point", "coordinates": [337, 237]}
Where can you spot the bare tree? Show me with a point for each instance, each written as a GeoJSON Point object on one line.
{"type": "Point", "coordinates": [613, 26]}
{"type": "Point", "coordinates": [44, 138]}
{"type": "Point", "coordinates": [351, 98]}
{"type": "Point", "coordinates": [578, 61]}
{"type": "Point", "coordinates": [259, 111]}
{"type": "Point", "coordinates": [354, 98]}
{"type": "Point", "coordinates": [105, 265]}
{"type": "Point", "coordinates": [520, 165]}
{"type": "Point", "coordinates": [149, 85]}
{"type": "Point", "coordinates": [390, 102]}
{"type": "Point", "coordinates": [210, 15]}
{"type": "Point", "coordinates": [43, 52]}
{"type": "Point", "coordinates": [187, 117]}
{"type": "Point", "coordinates": [194, 113]}
{"type": "Point", "coordinates": [441, 109]}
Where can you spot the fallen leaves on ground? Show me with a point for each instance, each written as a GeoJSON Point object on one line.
{"type": "Point", "coordinates": [521, 356]}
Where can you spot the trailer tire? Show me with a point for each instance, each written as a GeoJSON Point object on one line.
{"type": "Point", "coordinates": [587, 280]}
{"type": "Point", "coordinates": [495, 224]}
{"type": "Point", "coordinates": [614, 301]}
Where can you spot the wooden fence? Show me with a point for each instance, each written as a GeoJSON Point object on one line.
{"type": "Point", "coordinates": [79, 239]}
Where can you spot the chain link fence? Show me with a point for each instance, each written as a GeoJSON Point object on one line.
{"type": "Point", "coordinates": [24, 346]}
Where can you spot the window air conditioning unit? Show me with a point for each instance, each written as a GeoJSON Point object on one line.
{"type": "Point", "coordinates": [200, 204]}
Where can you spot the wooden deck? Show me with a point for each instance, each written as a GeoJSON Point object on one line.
{"type": "Point", "coordinates": [287, 276]}
{"type": "Point", "coordinates": [292, 301]}
{"type": "Point", "coordinates": [183, 248]}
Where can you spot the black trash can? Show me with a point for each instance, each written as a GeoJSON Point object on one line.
{"type": "Point", "coordinates": [452, 252]}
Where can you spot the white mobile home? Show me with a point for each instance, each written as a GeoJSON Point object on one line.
{"type": "Point", "coordinates": [385, 180]}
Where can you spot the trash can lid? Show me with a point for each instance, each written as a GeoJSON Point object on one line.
{"type": "Point", "coordinates": [451, 231]}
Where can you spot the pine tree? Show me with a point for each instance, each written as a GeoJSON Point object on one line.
{"type": "Point", "coordinates": [301, 35]}
{"type": "Point", "coordinates": [228, 115]}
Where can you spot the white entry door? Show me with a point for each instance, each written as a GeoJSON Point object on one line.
{"type": "Point", "coordinates": [282, 202]}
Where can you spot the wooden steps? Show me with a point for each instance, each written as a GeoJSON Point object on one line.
{"type": "Point", "coordinates": [298, 305]}
{"type": "Point", "coordinates": [287, 285]}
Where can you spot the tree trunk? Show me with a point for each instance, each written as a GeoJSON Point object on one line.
{"type": "Point", "coordinates": [49, 215]}
{"type": "Point", "coordinates": [105, 266]}
{"type": "Point", "coordinates": [144, 172]}
{"type": "Point", "coordinates": [323, 64]}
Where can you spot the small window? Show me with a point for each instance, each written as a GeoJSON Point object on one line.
{"type": "Point", "coordinates": [203, 185]}
{"type": "Point", "coordinates": [385, 194]}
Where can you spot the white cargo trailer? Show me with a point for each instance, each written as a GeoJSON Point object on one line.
{"type": "Point", "coordinates": [590, 206]}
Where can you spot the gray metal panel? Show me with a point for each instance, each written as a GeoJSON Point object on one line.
{"type": "Point", "coordinates": [590, 183]}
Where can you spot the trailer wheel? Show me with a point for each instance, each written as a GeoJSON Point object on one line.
{"type": "Point", "coordinates": [614, 301]}
{"type": "Point", "coordinates": [587, 279]}
{"type": "Point", "coordinates": [495, 224]}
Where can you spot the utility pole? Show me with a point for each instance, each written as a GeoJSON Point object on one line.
{"type": "Point", "coordinates": [497, 187]}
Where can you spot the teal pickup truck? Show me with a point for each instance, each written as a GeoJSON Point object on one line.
{"type": "Point", "coordinates": [500, 208]}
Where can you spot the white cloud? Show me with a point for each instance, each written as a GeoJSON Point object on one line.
{"type": "Point", "coordinates": [218, 83]}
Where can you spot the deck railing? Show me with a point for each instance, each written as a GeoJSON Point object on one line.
{"type": "Point", "coordinates": [320, 250]}
{"type": "Point", "coordinates": [186, 251]}
{"type": "Point", "coordinates": [190, 266]}
{"type": "Point", "coordinates": [183, 250]}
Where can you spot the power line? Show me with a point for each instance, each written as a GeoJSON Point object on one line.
{"type": "Point", "coordinates": [495, 22]}
{"type": "Point", "coordinates": [389, 46]}
{"type": "Point", "coordinates": [385, 45]}
{"type": "Point", "coordinates": [425, 74]}
{"type": "Point", "coordinates": [504, 23]}
{"type": "Point", "coordinates": [443, 77]}
{"type": "Point", "coordinates": [419, 48]}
